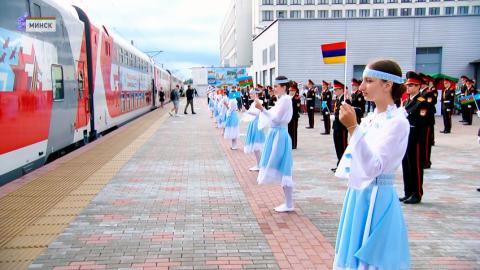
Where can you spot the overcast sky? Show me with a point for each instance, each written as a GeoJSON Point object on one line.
{"type": "Point", "coordinates": [186, 30]}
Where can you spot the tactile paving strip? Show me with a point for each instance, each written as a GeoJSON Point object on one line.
{"type": "Point", "coordinates": [35, 214]}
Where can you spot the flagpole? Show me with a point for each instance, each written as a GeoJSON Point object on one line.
{"type": "Point", "coordinates": [345, 92]}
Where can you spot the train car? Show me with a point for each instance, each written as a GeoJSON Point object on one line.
{"type": "Point", "coordinates": [44, 100]}
{"type": "Point", "coordinates": [162, 82]}
{"type": "Point", "coordinates": [120, 77]}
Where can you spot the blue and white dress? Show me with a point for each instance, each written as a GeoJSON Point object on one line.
{"type": "Point", "coordinates": [276, 162]}
{"type": "Point", "coordinates": [255, 137]}
{"type": "Point", "coordinates": [372, 233]}
{"type": "Point", "coordinates": [231, 121]}
{"type": "Point", "coordinates": [211, 103]}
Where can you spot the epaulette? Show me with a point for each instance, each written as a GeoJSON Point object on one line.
{"type": "Point", "coordinates": [421, 99]}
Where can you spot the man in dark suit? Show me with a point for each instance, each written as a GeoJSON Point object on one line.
{"type": "Point", "coordinates": [293, 124]}
{"type": "Point", "coordinates": [431, 99]}
{"type": "Point", "coordinates": [340, 132]}
{"type": "Point", "coordinates": [448, 99]}
{"type": "Point", "coordinates": [189, 94]}
{"type": "Point", "coordinates": [310, 98]}
{"type": "Point", "coordinates": [358, 100]}
{"type": "Point", "coordinates": [326, 107]}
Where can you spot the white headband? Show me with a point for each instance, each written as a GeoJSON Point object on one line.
{"type": "Point", "coordinates": [382, 75]}
{"type": "Point", "coordinates": [282, 81]}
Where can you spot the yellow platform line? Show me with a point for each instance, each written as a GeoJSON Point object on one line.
{"type": "Point", "coordinates": [35, 214]}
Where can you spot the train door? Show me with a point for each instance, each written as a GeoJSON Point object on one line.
{"type": "Point", "coordinates": [154, 94]}
{"type": "Point", "coordinates": [83, 112]}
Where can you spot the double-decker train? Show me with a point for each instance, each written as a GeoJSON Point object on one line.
{"type": "Point", "coordinates": [64, 87]}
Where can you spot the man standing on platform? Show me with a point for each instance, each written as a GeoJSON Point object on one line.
{"type": "Point", "coordinates": [310, 97]}
{"type": "Point", "coordinates": [175, 98]}
{"type": "Point", "coordinates": [448, 99]}
{"type": "Point", "coordinates": [340, 132]}
{"type": "Point", "coordinates": [326, 107]}
{"type": "Point", "coordinates": [358, 100]}
{"type": "Point", "coordinates": [293, 124]}
{"type": "Point", "coordinates": [469, 108]}
{"type": "Point", "coordinates": [189, 94]}
{"type": "Point", "coordinates": [428, 137]}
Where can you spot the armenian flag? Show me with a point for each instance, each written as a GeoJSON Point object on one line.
{"type": "Point", "coordinates": [334, 53]}
{"type": "Point", "coordinates": [244, 81]}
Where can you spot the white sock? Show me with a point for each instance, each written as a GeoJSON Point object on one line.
{"type": "Point", "coordinates": [258, 156]}
{"type": "Point", "coordinates": [288, 191]}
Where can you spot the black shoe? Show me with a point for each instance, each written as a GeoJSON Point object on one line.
{"type": "Point", "coordinates": [403, 198]}
{"type": "Point", "coordinates": [443, 131]}
{"type": "Point", "coordinates": [333, 169]}
{"type": "Point", "coordinates": [412, 200]}
{"type": "Point", "coordinates": [194, 113]}
{"type": "Point", "coordinates": [478, 189]}
{"type": "Point", "coordinates": [325, 133]}
{"type": "Point", "coordinates": [185, 113]}
{"type": "Point", "coordinates": [428, 166]}
{"type": "Point", "coordinates": [308, 127]}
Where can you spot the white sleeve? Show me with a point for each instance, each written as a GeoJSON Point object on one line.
{"type": "Point", "coordinates": [280, 114]}
{"type": "Point", "coordinates": [362, 162]}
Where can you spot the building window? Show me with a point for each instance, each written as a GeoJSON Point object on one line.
{"type": "Point", "coordinates": [295, 2]}
{"type": "Point", "coordinates": [364, 12]}
{"type": "Point", "coordinates": [406, 1]}
{"type": "Point", "coordinates": [378, 12]}
{"type": "Point", "coordinates": [281, 2]}
{"type": "Point", "coordinates": [392, 12]}
{"type": "Point", "coordinates": [428, 60]}
{"type": "Point", "coordinates": [364, 1]}
{"type": "Point", "coordinates": [57, 82]}
{"type": "Point", "coordinates": [295, 14]}
{"type": "Point", "coordinates": [351, 2]}
{"type": "Point", "coordinates": [337, 2]}
{"type": "Point", "coordinates": [281, 14]}
{"type": "Point", "coordinates": [449, 10]}
{"type": "Point", "coordinates": [267, 2]}
{"type": "Point", "coordinates": [358, 71]}
{"type": "Point", "coordinates": [392, 1]}
{"type": "Point", "coordinates": [378, 1]}
{"type": "Point", "coordinates": [264, 54]}
{"type": "Point", "coordinates": [351, 13]}
{"type": "Point", "coordinates": [272, 53]}
{"type": "Point", "coordinates": [476, 10]}
{"type": "Point", "coordinates": [267, 15]}
{"type": "Point", "coordinates": [309, 14]}
{"type": "Point", "coordinates": [264, 75]}
{"type": "Point", "coordinates": [323, 14]}
{"type": "Point", "coordinates": [462, 10]}
{"type": "Point", "coordinates": [419, 11]}
{"type": "Point", "coordinates": [323, 2]}
{"type": "Point", "coordinates": [272, 74]}
{"type": "Point", "coordinates": [405, 12]}
{"type": "Point", "coordinates": [336, 14]}
{"type": "Point", "coordinates": [434, 11]}
{"type": "Point", "coordinates": [434, 1]}
{"type": "Point", "coordinates": [420, 1]}
{"type": "Point", "coordinates": [309, 2]}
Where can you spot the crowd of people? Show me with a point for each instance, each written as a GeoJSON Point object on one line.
{"type": "Point", "coordinates": [370, 147]}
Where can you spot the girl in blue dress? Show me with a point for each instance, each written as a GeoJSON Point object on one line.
{"type": "Point", "coordinates": [255, 137]}
{"type": "Point", "coordinates": [231, 131]}
{"type": "Point", "coordinates": [372, 233]}
{"type": "Point", "coordinates": [276, 162]}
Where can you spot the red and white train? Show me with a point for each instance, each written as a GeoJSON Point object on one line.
{"type": "Point", "coordinates": [64, 87]}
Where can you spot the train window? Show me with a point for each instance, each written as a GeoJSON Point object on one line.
{"type": "Point", "coordinates": [80, 85]}
{"type": "Point", "coordinates": [57, 81]}
{"type": "Point", "coordinates": [36, 11]}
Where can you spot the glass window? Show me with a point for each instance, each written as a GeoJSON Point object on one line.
{"type": "Point", "coordinates": [309, 2]}
{"type": "Point", "coordinates": [336, 13]}
{"type": "Point", "coordinates": [57, 81]}
{"type": "Point", "coordinates": [351, 13]}
{"type": "Point", "coordinates": [392, 1]}
{"type": "Point", "coordinates": [378, 1]}
{"type": "Point", "coordinates": [323, 14]}
{"type": "Point", "coordinates": [428, 60]}
{"type": "Point", "coordinates": [264, 54]}
{"type": "Point", "coordinates": [405, 12]}
{"type": "Point", "coordinates": [295, 2]}
{"type": "Point", "coordinates": [364, 12]}
{"type": "Point", "coordinates": [80, 84]}
{"type": "Point", "coordinates": [462, 10]}
{"type": "Point", "coordinates": [272, 53]}
{"type": "Point", "coordinates": [392, 12]}
{"type": "Point", "coordinates": [267, 2]}
{"type": "Point", "coordinates": [281, 14]}
{"type": "Point", "coordinates": [358, 71]}
{"type": "Point", "coordinates": [364, 1]}
{"type": "Point", "coordinates": [323, 2]}
{"type": "Point", "coordinates": [309, 14]}
{"type": "Point", "coordinates": [476, 10]}
{"type": "Point", "coordinates": [337, 2]}
{"type": "Point", "coordinates": [420, 1]}
{"type": "Point", "coordinates": [406, 1]}
{"type": "Point", "coordinates": [378, 12]}
{"type": "Point", "coordinates": [281, 2]}
{"type": "Point", "coordinates": [36, 11]}
{"type": "Point", "coordinates": [267, 15]}
{"type": "Point", "coordinates": [434, 1]}
{"type": "Point", "coordinates": [449, 10]}
{"type": "Point", "coordinates": [295, 14]}
{"type": "Point", "coordinates": [351, 1]}
{"type": "Point", "coordinates": [434, 11]}
{"type": "Point", "coordinates": [419, 11]}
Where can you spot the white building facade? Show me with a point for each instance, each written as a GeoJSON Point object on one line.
{"type": "Point", "coordinates": [431, 44]}
{"type": "Point", "coordinates": [236, 35]}
{"type": "Point", "coordinates": [266, 11]}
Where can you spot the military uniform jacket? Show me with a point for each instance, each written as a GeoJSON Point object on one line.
{"type": "Point", "coordinates": [296, 106]}
{"type": "Point", "coordinates": [417, 110]}
{"type": "Point", "coordinates": [336, 122]}
{"type": "Point", "coordinates": [327, 97]}
{"type": "Point", "coordinates": [448, 98]}
{"type": "Point", "coordinates": [358, 100]}
{"type": "Point", "coordinates": [310, 98]}
{"type": "Point", "coordinates": [432, 101]}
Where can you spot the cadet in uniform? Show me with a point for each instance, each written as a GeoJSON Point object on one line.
{"type": "Point", "coordinates": [448, 99]}
{"type": "Point", "coordinates": [310, 97]}
{"type": "Point", "coordinates": [431, 99]}
{"type": "Point", "coordinates": [340, 132]}
{"type": "Point", "coordinates": [463, 92]}
{"type": "Point", "coordinates": [326, 107]}
{"type": "Point", "coordinates": [470, 106]}
{"type": "Point", "coordinates": [293, 124]}
{"type": "Point", "coordinates": [358, 100]}
{"type": "Point", "coordinates": [412, 163]}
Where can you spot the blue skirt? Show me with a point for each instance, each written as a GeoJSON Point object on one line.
{"type": "Point", "coordinates": [385, 244]}
{"type": "Point", "coordinates": [231, 126]}
{"type": "Point", "coordinates": [276, 162]}
{"type": "Point", "coordinates": [255, 137]}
